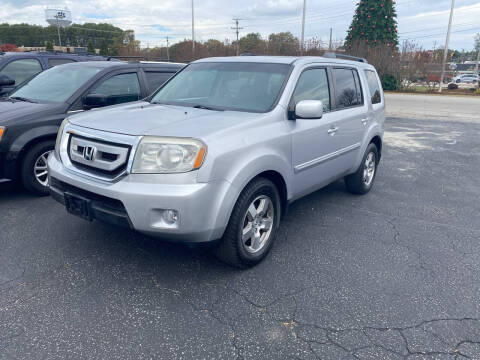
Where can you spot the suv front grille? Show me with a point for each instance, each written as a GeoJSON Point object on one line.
{"type": "Point", "coordinates": [98, 157]}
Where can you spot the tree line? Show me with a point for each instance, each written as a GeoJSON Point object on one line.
{"type": "Point", "coordinates": [106, 37]}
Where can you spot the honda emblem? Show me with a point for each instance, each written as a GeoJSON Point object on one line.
{"type": "Point", "coordinates": [89, 153]}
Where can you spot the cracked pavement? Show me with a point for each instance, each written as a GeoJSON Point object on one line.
{"type": "Point", "coordinates": [390, 275]}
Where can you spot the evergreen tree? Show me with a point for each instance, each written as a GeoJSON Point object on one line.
{"type": "Point", "coordinates": [374, 23]}
{"type": "Point", "coordinates": [104, 48]}
{"type": "Point", "coordinates": [90, 47]}
{"type": "Point", "coordinates": [49, 46]}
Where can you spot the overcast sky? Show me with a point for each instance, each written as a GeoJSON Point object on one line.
{"type": "Point", "coordinates": [425, 21]}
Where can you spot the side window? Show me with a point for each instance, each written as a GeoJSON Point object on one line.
{"type": "Point", "coordinates": [54, 62]}
{"type": "Point", "coordinates": [374, 86]}
{"type": "Point", "coordinates": [119, 89]}
{"type": "Point", "coordinates": [313, 85]}
{"type": "Point", "coordinates": [22, 69]}
{"type": "Point", "coordinates": [346, 91]}
{"type": "Point", "coordinates": [156, 79]}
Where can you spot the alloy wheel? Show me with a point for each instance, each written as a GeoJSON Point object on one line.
{"type": "Point", "coordinates": [40, 168]}
{"type": "Point", "coordinates": [258, 224]}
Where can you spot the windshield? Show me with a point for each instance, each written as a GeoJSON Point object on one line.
{"type": "Point", "coordinates": [56, 85]}
{"type": "Point", "coordinates": [252, 87]}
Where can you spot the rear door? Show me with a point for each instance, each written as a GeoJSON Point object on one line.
{"type": "Point", "coordinates": [351, 114]}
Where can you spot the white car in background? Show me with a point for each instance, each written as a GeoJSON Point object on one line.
{"type": "Point", "coordinates": [466, 78]}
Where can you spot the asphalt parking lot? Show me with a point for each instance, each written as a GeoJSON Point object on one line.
{"type": "Point", "coordinates": [394, 274]}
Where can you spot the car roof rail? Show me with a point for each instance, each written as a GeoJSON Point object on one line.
{"type": "Point", "coordinates": [333, 55]}
{"type": "Point", "coordinates": [129, 58]}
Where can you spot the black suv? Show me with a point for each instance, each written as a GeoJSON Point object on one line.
{"type": "Point", "coordinates": [31, 115]}
{"type": "Point", "coordinates": [21, 66]}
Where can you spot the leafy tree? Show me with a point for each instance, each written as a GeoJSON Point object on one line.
{"type": "Point", "coordinates": [90, 47]}
{"type": "Point", "coordinates": [374, 23]}
{"type": "Point", "coordinates": [75, 35]}
{"type": "Point", "coordinates": [477, 42]}
{"type": "Point", "coordinates": [49, 46]}
{"type": "Point", "coordinates": [104, 48]}
{"type": "Point", "coordinates": [283, 43]}
{"type": "Point", "coordinates": [252, 43]}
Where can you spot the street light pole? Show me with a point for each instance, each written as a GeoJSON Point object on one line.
{"type": "Point", "coordinates": [303, 27]}
{"type": "Point", "coordinates": [58, 30]}
{"type": "Point", "coordinates": [193, 33]}
{"type": "Point", "coordinates": [445, 54]}
{"type": "Point", "coordinates": [168, 51]}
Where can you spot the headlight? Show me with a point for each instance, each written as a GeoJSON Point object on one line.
{"type": "Point", "coordinates": [59, 138]}
{"type": "Point", "coordinates": [2, 130]}
{"type": "Point", "coordinates": [163, 155]}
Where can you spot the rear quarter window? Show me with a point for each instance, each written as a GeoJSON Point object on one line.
{"type": "Point", "coordinates": [374, 87]}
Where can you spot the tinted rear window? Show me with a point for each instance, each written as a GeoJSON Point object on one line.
{"type": "Point", "coordinates": [157, 79]}
{"type": "Point", "coordinates": [347, 89]}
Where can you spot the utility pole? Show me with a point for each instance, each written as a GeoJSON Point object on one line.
{"type": "Point", "coordinates": [193, 33]}
{"type": "Point", "coordinates": [168, 53]}
{"type": "Point", "coordinates": [237, 30]}
{"type": "Point", "coordinates": [302, 44]}
{"type": "Point", "coordinates": [330, 42]}
{"type": "Point", "coordinates": [445, 54]}
{"type": "Point", "coordinates": [58, 30]}
{"type": "Point", "coordinates": [478, 60]}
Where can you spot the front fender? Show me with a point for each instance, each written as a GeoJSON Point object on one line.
{"type": "Point", "coordinates": [242, 171]}
{"type": "Point", "coordinates": [21, 141]}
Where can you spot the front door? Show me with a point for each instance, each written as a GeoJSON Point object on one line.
{"type": "Point", "coordinates": [313, 140]}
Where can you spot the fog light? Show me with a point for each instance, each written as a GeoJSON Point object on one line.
{"type": "Point", "coordinates": [170, 216]}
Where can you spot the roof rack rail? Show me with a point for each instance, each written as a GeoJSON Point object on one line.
{"type": "Point", "coordinates": [129, 58]}
{"type": "Point", "coordinates": [333, 55]}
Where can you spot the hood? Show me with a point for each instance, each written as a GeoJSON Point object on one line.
{"type": "Point", "coordinates": [13, 111]}
{"type": "Point", "coordinates": [143, 118]}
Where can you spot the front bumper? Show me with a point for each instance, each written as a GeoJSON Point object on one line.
{"type": "Point", "coordinates": [138, 201]}
{"type": "Point", "coordinates": [8, 165]}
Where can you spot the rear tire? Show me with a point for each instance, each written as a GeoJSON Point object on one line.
{"type": "Point", "coordinates": [362, 180]}
{"type": "Point", "coordinates": [34, 168]}
{"type": "Point", "coordinates": [252, 226]}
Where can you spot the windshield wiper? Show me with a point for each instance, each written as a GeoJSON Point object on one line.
{"type": "Point", "coordinates": [19, 98]}
{"type": "Point", "coordinates": [205, 107]}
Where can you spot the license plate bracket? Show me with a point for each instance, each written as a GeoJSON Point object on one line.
{"type": "Point", "coordinates": [78, 206]}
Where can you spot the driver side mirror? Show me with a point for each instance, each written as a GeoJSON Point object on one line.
{"type": "Point", "coordinates": [309, 109]}
{"type": "Point", "coordinates": [6, 80]}
{"type": "Point", "coordinates": [92, 101]}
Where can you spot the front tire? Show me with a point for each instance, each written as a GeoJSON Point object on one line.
{"type": "Point", "coordinates": [362, 180]}
{"type": "Point", "coordinates": [34, 168]}
{"type": "Point", "coordinates": [252, 226]}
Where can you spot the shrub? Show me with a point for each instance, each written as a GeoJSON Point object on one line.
{"type": "Point", "coordinates": [389, 82]}
{"type": "Point", "coordinates": [452, 86]}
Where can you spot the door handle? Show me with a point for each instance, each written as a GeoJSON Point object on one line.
{"type": "Point", "coordinates": [333, 130]}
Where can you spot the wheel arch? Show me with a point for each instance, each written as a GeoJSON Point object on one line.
{"type": "Point", "coordinates": [377, 140]}
{"type": "Point", "coordinates": [29, 139]}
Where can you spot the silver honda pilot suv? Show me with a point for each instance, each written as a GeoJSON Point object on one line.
{"type": "Point", "coordinates": [220, 150]}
